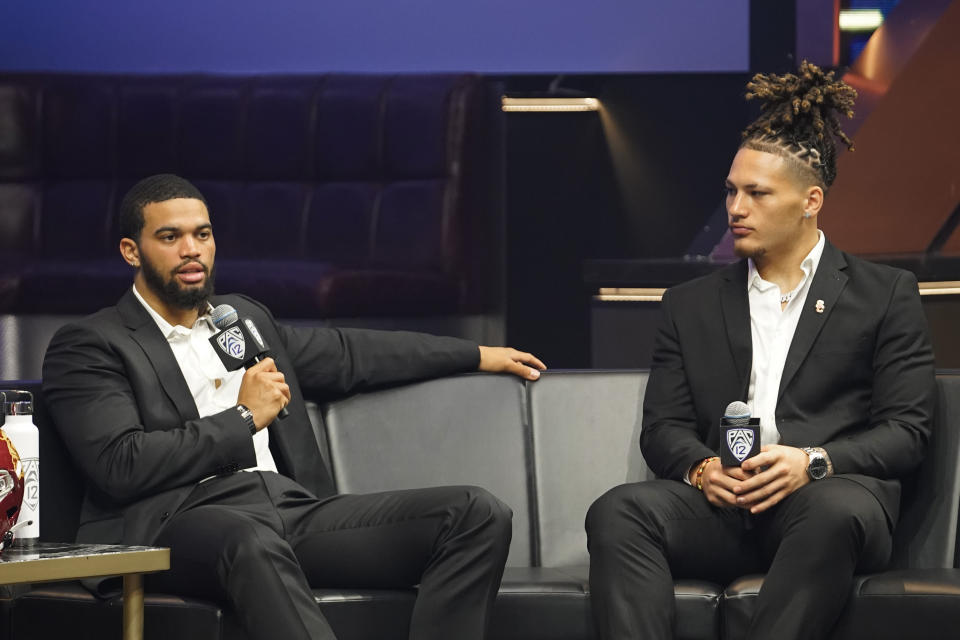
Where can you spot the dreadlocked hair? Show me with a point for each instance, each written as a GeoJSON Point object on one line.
{"type": "Point", "coordinates": [799, 119]}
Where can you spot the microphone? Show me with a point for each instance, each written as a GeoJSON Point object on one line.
{"type": "Point", "coordinates": [239, 343]}
{"type": "Point", "coordinates": [740, 434]}
{"type": "Point", "coordinates": [223, 315]}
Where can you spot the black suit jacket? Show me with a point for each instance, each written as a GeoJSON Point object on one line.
{"type": "Point", "coordinates": [123, 409]}
{"type": "Point", "coordinates": [858, 378]}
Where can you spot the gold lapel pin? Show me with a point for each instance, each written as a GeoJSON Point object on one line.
{"type": "Point", "coordinates": [819, 306]}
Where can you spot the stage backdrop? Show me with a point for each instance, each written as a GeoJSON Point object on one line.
{"type": "Point", "coordinates": [291, 36]}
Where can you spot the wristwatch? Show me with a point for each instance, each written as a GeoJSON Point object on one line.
{"type": "Point", "coordinates": [818, 467]}
{"type": "Point", "coordinates": [247, 416]}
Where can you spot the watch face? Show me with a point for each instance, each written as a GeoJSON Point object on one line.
{"type": "Point", "coordinates": [817, 468]}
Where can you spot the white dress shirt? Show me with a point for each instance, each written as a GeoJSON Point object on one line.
{"type": "Point", "coordinates": [214, 389]}
{"type": "Point", "coordinates": [771, 331]}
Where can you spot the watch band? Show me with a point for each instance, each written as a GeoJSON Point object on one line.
{"type": "Point", "coordinates": [247, 416]}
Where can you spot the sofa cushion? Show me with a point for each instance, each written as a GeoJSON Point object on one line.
{"type": "Point", "coordinates": [147, 127]}
{"type": "Point", "coordinates": [697, 602]}
{"type": "Point", "coordinates": [585, 434]}
{"type": "Point", "coordinates": [926, 535]}
{"type": "Point", "coordinates": [76, 223]}
{"type": "Point", "coordinates": [914, 603]}
{"type": "Point", "coordinates": [536, 603]}
{"type": "Point", "coordinates": [18, 214]}
{"type": "Point", "coordinates": [367, 615]}
{"type": "Point", "coordinates": [20, 143]}
{"type": "Point", "coordinates": [279, 117]}
{"type": "Point", "coordinates": [469, 429]}
{"type": "Point", "coordinates": [211, 130]}
{"type": "Point", "coordinates": [78, 135]}
{"type": "Point", "coordinates": [75, 284]}
{"type": "Point", "coordinates": [349, 125]}
{"type": "Point", "coordinates": [533, 604]}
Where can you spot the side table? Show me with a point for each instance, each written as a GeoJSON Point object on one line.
{"type": "Point", "coordinates": [54, 562]}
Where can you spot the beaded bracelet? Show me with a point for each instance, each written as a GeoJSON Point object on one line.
{"type": "Point", "coordinates": [700, 470]}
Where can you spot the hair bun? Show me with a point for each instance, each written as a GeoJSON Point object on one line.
{"type": "Point", "coordinates": [810, 99]}
{"type": "Point", "coordinates": [799, 114]}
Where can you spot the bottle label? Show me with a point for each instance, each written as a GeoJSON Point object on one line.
{"type": "Point", "coordinates": [31, 483]}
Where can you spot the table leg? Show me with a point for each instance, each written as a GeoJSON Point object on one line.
{"type": "Point", "coordinates": [133, 606]}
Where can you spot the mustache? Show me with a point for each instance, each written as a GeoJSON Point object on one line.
{"type": "Point", "coordinates": [175, 270]}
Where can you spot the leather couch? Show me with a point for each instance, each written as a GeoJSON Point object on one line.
{"type": "Point", "coordinates": [548, 449]}
{"type": "Point", "coordinates": [332, 196]}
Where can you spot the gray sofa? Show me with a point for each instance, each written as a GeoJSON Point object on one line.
{"type": "Point", "coordinates": [548, 449]}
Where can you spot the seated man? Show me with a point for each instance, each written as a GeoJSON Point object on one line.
{"type": "Point", "coordinates": [830, 351]}
{"type": "Point", "coordinates": [160, 429]}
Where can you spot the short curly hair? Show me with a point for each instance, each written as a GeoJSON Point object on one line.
{"type": "Point", "coordinates": [157, 188]}
{"type": "Point", "coordinates": [799, 119]}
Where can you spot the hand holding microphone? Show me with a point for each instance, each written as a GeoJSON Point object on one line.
{"type": "Point", "coordinates": [740, 441]}
{"type": "Point", "coordinates": [264, 391]}
{"type": "Point", "coordinates": [240, 344]}
{"type": "Point", "coordinates": [753, 477]}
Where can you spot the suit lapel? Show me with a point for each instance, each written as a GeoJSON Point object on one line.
{"type": "Point", "coordinates": [146, 333]}
{"type": "Point", "coordinates": [735, 306]}
{"type": "Point", "coordinates": [828, 283]}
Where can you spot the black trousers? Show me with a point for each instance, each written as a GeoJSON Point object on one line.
{"type": "Point", "coordinates": [642, 536]}
{"type": "Point", "coordinates": [259, 541]}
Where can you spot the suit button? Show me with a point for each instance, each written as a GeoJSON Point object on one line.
{"type": "Point", "coordinates": [166, 514]}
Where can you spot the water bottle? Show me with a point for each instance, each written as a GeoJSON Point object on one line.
{"type": "Point", "coordinates": [18, 426]}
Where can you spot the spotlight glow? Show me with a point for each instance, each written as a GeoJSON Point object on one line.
{"type": "Point", "coordinates": [860, 19]}
{"type": "Point", "coordinates": [549, 104]}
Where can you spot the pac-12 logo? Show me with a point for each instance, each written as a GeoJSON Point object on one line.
{"type": "Point", "coordinates": [31, 483]}
{"type": "Point", "coordinates": [740, 442]}
{"type": "Point", "coordinates": [232, 343]}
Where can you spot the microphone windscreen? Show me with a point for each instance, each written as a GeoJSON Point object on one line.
{"type": "Point", "coordinates": [737, 409]}
{"type": "Point", "coordinates": [739, 434]}
{"type": "Point", "coordinates": [223, 316]}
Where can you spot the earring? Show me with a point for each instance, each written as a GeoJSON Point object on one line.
{"type": "Point", "coordinates": [807, 214]}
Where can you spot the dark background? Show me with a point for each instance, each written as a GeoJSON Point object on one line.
{"type": "Point", "coordinates": [641, 178]}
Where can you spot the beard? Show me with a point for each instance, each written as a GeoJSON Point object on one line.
{"type": "Point", "coordinates": [753, 254]}
{"type": "Point", "coordinates": [172, 292]}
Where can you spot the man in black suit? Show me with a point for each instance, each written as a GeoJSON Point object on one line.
{"type": "Point", "coordinates": [161, 430]}
{"type": "Point", "coordinates": [830, 351]}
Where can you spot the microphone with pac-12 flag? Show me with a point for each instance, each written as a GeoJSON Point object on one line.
{"type": "Point", "coordinates": [740, 435]}
{"type": "Point", "coordinates": [239, 343]}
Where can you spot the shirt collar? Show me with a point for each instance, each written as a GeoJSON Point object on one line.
{"type": "Point", "coordinates": [809, 266]}
{"type": "Point", "coordinates": [170, 331]}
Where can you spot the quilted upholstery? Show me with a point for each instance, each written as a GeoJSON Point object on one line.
{"type": "Point", "coordinates": [331, 195]}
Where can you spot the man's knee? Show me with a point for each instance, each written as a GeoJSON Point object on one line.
{"type": "Point", "coordinates": [481, 508]}
{"type": "Point", "coordinates": [209, 554]}
{"type": "Point", "coordinates": [606, 509]}
{"type": "Point", "coordinates": [616, 514]}
{"type": "Point", "coordinates": [246, 543]}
